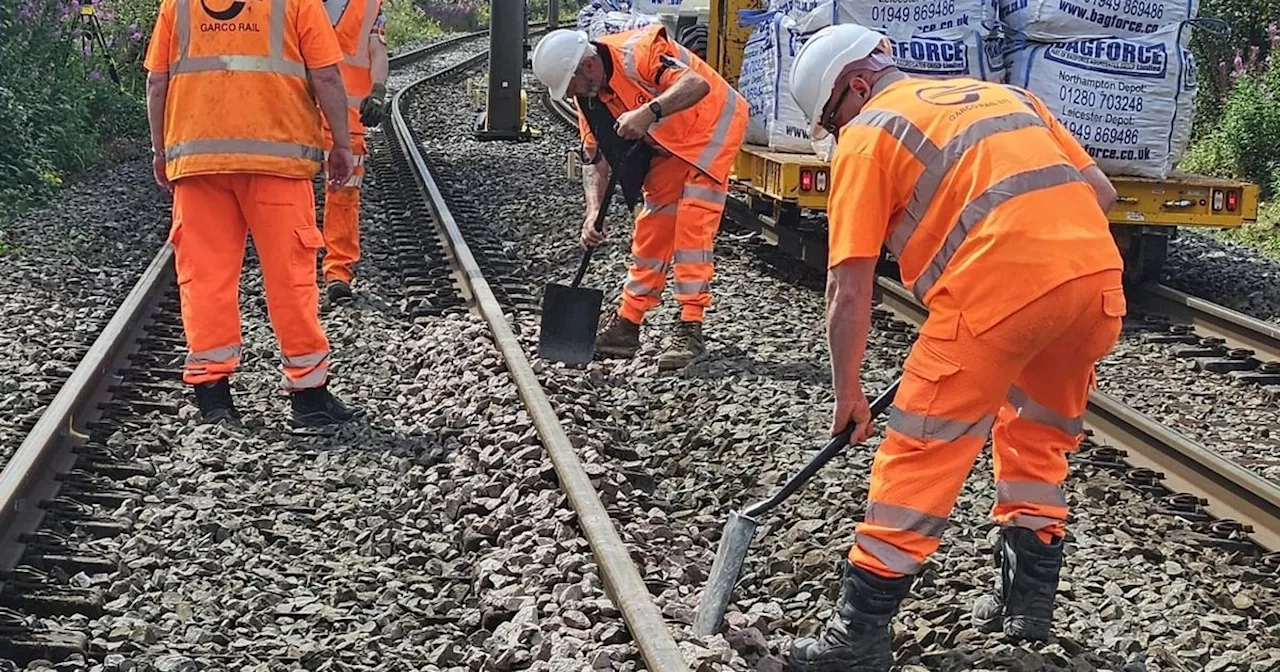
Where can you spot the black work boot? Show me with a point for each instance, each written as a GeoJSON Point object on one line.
{"type": "Point", "coordinates": [619, 337]}
{"type": "Point", "coordinates": [338, 291]}
{"type": "Point", "coordinates": [857, 637]}
{"type": "Point", "coordinates": [317, 407]}
{"type": "Point", "coordinates": [686, 346]}
{"type": "Point", "coordinates": [1022, 605]}
{"type": "Point", "coordinates": [216, 405]}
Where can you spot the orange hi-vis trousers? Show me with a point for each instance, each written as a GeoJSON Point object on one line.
{"type": "Point", "coordinates": [211, 215]}
{"type": "Point", "coordinates": [1029, 377]}
{"type": "Point", "coordinates": [678, 222]}
{"type": "Point", "coordinates": [342, 219]}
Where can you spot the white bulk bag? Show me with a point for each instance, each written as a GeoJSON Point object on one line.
{"type": "Point", "coordinates": [655, 6]}
{"type": "Point", "coordinates": [609, 23]}
{"type": "Point", "coordinates": [798, 9]}
{"type": "Point", "coordinates": [904, 18]}
{"type": "Point", "coordinates": [1128, 100]}
{"type": "Point", "coordinates": [1055, 20]}
{"type": "Point", "coordinates": [774, 119]}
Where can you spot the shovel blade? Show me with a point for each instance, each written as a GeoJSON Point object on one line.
{"type": "Point", "coordinates": [570, 316]}
{"type": "Point", "coordinates": [725, 570]}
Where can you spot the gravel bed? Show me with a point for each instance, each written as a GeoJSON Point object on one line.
{"type": "Point", "coordinates": [429, 536]}
{"type": "Point", "coordinates": [698, 443]}
{"type": "Point", "coordinates": [1239, 420]}
{"type": "Point", "coordinates": [72, 263]}
{"type": "Point", "coordinates": [407, 74]}
{"type": "Point", "coordinates": [1225, 273]}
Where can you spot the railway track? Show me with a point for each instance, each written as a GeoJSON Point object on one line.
{"type": "Point", "coordinates": [1192, 479]}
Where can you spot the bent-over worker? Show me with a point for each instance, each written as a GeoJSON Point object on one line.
{"type": "Point", "coordinates": [236, 136]}
{"type": "Point", "coordinates": [360, 25]}
{"type": "Point", "coordinates": [694, 123]}
{"type": "Point", "coordinates": [996, 216]}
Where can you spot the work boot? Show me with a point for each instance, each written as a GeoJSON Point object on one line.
{"type": "Point", "coordinates": [1023, 603]}
{"type": "Point", "coordinates": [317, 407]}
{"type": "Point", "coordinates": [338, 291]}
{"type": "Point", "coordinates": [686, 346]}
{"type": "Point", "coordinates": [619, 337]}
{"type": "Point", "coordinates": [857, 637]}
{"type": "Point", "coordinates": [216, 405]}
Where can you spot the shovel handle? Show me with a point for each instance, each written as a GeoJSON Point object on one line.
{"type": "Point", "coordinates": [614, 176]}
{"type": "Point", "coordinates": [836, 446]}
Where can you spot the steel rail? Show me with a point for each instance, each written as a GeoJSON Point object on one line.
{"type": "Point", "coordinates": [419, 53]}
{"type": "Point", "coordinates": [1233, 492]}
{"type": "Point", "coordinates": [1236, 329]}
{"type": "Point", "coordinates": [625, 586]}
{"type": "Point", "coordinates": [29, 477]}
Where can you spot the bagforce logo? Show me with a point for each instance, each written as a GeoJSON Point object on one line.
{"type": "Point", "coordinates": [950, 94]}
{"type": "Point", "coordinates": [227, 14]}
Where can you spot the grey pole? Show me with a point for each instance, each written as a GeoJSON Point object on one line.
{"type": "Point", "coordinates": [506, 62]}
{"type": "Point", "coordinates": [553, 14]}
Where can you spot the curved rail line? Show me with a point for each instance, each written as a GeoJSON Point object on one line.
{"type": "Point", "coordinates": [34, 478]}
{"type": "Point", "coordinates": [1233, 493]}
{"type": "Point", "coordinates": [618, 571]}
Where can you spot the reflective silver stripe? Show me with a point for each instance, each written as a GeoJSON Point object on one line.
{"type": "Point", "coordinates": [638, 288]}
{"type": "Point", "coordinates": [1023, 96]}
{"type": "Point", "coordinates": [315, 378]}
{"type": "Point", "coordinates": [629, 62]}
{"type": "Point", "coordinates": [694, 287]}
{"type": "Point", "coordinates": [354, 102]}
{"type": "Point", "coordinates": [904, 518]}
{"type": "Point", "coordinates": [239, 64]}
{"type": "Point", "coordinates": [982, 205]}
{"type": "Point", "coordinates": [1030, 492]}
{"type": "Point", "coordinates": [214, 356]}
{"type": "Point", "coordinates": [1031, 410]}
{"type": "Point", "coordinates": [241, 146]}
{"type": "Point", "coordinates": [927, 427]}
{"type": "Point", "coordinates": [721, 134]}
{"type": "Point", "coordinates": [695, 257]}
{"type": "Point", "coordinates": [183, 11]}
{"type": "Point", "coordinates": [709, 195]}
{"type": "Point", "coordinates": [305, 361]}
{"type": "Point", "coordinates": [273, 62]}
{"type": "Point", "coordinates": [656, 265]}
{"type": "Point", "coordinates": [651, 208]}
{"type": "Point", "coordinates": [276, 48]}
{"type": "Point", "coordinates": [889, 555]}
{"type": "Point", "coordinates": [1033, 522]}
{"type": "Point", "coordinates": [938, 164]}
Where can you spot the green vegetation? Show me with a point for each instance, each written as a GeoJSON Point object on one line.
{"type": "Point", "coordinates": [407, 24]}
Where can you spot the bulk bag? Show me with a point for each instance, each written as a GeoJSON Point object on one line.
{"type": "Point", "coordinates": [967, 54]}
{"type": "Point", "coordinates": [774, 119]}
{"type": "Point", "coordinates": [1128, 100]}
{"type": "Point", "coordinates": [905, 18]}
{"type": "Point", "coordinates": [1057, 20]}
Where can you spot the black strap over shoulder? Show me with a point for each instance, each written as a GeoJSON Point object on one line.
{"type": "Point", "coordinates": [632, 170]}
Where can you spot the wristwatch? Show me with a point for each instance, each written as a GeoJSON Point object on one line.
{"type": "Point", "coordinates": [656, 109]}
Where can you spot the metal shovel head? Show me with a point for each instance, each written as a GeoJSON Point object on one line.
{"type": "Point", "coordinates": [725, 570]}
{"type": "Point", "coordinates": [570, 316]}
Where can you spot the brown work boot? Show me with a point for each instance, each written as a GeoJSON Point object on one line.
{"type": "Point", "coordinates": [686, 346]}
{"type": "Point", "coordinates": [619, 337]}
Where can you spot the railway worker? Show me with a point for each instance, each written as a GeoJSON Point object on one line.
{"type": "Point", "coordinates": [996, 216]}
{"type": "Point", "coordinates": [236, 136]}
{"type": "Point", "coordinates": [645, 85]}
{"type": "Point", "coordinates": [360, 27]}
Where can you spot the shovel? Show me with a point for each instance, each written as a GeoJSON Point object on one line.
{"type": "Point", "coordinates": [741, 527]}
{"type": "Point", "coordinates": [570, 315]}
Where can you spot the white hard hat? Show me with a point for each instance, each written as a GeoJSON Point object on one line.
{"type": "Point", "coordinates": [820, 62]}
{"type": "Point", "coordinates": [556, 58]}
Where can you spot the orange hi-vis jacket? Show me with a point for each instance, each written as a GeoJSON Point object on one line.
{"type": "Point", "coordinates": [357, 22]}
{"type": "Point", "coordinates": [976, 189]}
{"type": "Point", "coordinates": [646, 63]}
{"type": "Point", "coordinates": [239, 99]}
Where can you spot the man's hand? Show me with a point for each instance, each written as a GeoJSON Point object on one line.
{"type": "Point", "coordinates": [855, 410]}
{"type": "Point", "coordinates": [157, 169]}
{"type": "Point", "coordinates": [371, 110]}
{"type": "Point", "coordinates": [591, 237]}
{"type": "Point", "coordinates": [341, 164]}
{"type": "Point", "coordinates": [635, 124]}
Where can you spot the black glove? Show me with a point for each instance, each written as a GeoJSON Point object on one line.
{"type": "Point", "coordinates": [371, 110]}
